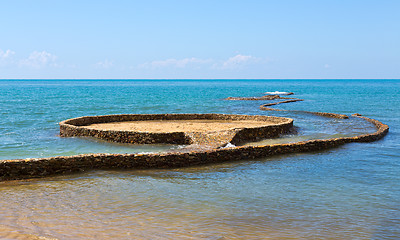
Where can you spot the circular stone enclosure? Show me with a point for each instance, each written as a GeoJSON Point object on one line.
{"type": "Point", "coordinates": [214, 130]}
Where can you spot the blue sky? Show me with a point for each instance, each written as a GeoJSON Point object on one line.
{"type": "Point", "coordinates": [200, 39]}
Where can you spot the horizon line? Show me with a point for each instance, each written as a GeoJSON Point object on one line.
{"type": "Point", "coordinates": [199, 79]}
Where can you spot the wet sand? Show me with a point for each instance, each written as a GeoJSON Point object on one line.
{"type": "Point", "coordinates": [164, 126]}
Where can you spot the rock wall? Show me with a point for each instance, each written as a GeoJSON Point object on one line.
{"type": "Point", "coordinates": [73, 127]}
{"type": "Point", "coordinates": [266, 107]}
{"type": "Point", "coordinates": [33, 168]}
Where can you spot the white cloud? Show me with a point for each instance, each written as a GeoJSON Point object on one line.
{"type": "Point", "coordinates": [6, 57]}
{"type": "Point", "coordinates": [177, 63]}
{"type": "Point", "coordinates": [39, 59]}
{"type": "Point", "coordinates": [7, 54]}
{"type": "Point", "coordinates": [327, 66]}
{"type": "Point", "coordinates": [106, 64]}
{"type": "Point", "coordinates": [237, 61]}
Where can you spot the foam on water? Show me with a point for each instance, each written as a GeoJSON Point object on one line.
{"type": "Point", "coordinates": [229, 145]}
{"type": "Point", "coordinates": [277, 93]}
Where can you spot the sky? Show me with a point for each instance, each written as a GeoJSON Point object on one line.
{"type": "Point", "coordinates": [193, 39]}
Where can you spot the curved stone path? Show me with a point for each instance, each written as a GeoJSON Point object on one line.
{"type": "Point", "coordinates": [266, 97]}
{"type": "Point", "coordinates": [266, 107]}
{"type": "Point", "coordinates": [41, 167]}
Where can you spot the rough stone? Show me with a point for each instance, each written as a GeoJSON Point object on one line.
{"type": "Point", "coordinates": [269, 127]}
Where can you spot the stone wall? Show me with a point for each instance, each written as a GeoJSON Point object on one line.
{"type": "Point", "coordinates": [266, 107]}
{"type": "Point", "coordinates": [266, 97]}
{"type": "Point", "coordinates": [33, 168]}
{"type": "Point", "coordinates": [73, 127]}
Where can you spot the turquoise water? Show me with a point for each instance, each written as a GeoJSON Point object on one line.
{"type": "Point", "coordinates": [351, 192]}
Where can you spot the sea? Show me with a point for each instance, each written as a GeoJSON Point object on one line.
{"type": "Point", "coordinates": [348, 192]}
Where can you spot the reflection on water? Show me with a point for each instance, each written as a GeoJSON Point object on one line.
{"type": "Point", "coordinates": [295, 196]}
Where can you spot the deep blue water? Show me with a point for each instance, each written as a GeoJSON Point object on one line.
{"type": "Point", "coordinates": [351, 192]}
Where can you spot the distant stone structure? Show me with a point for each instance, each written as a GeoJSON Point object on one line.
{"type": "Point", "coordinates": [266, 97]}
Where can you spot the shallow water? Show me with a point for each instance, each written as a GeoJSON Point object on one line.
{"type": "Point", "coordinates": [322, 128]}
{"type": "Point", "coordinates": [350, 192]}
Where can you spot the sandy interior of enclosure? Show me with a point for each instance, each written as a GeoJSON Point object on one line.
{"type": "Point", "coordinates": [160, 126]}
